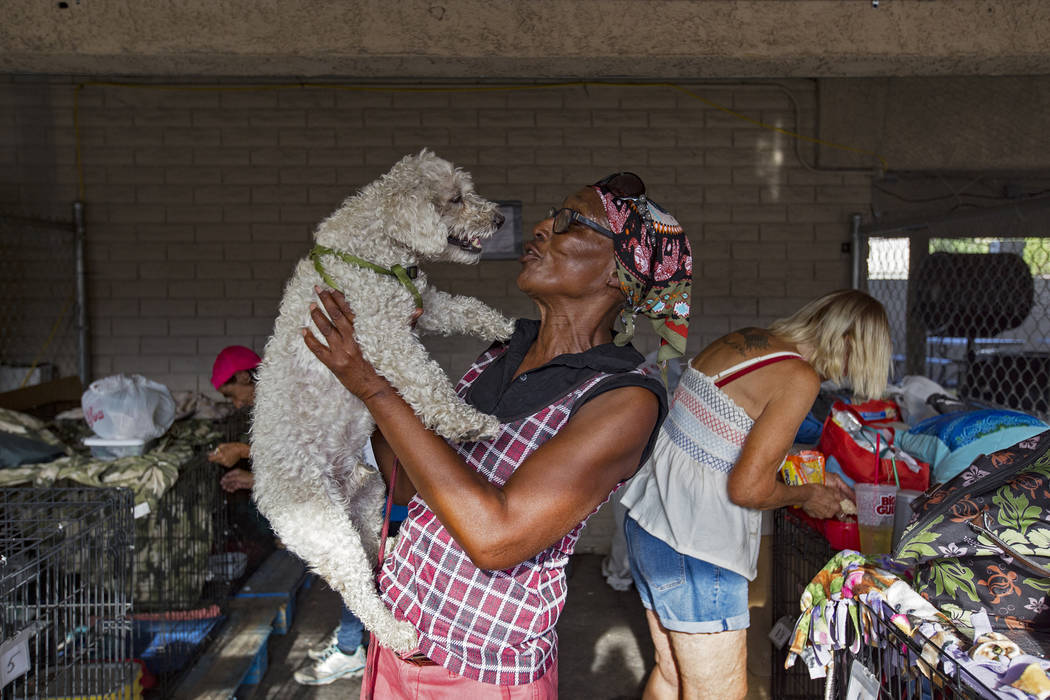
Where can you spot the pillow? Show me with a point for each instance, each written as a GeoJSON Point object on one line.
{"type": "Point", "coordinates": [951, 442]}
{"type": "Point", "coordinates": [26, 425]}
{"type": "Point", "coordinates": [23, 424]}
{"type": "Point", "coordinates": [16, 450]}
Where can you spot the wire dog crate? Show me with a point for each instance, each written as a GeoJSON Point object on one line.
{"type": "Point", "coordinates": [799, 552]}
{"type": "Point", "coordinates": [183, 577]}
{"type": "Point", "coordinates": [192, 552]}
{"type": "Point", "coordinates": [896, 667]}
{"type": "Point", "coordinates": [65, 593]}
{"type": "Point", "coordinates": [177, 543]}
{"type": "Point", "coordinates": [247, 532]}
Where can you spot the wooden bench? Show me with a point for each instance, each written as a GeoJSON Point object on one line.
{"type": "Point", "coordinates": [278, 581]}
{"type": "Point", "coordinates": [265, 605]}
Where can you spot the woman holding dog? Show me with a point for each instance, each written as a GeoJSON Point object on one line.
{"type": "Point", "coordinates": [694, 509]}
{"type": "Point", "coordinates": [479, 566]}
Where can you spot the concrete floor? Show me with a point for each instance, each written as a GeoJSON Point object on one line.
{"type": "Point", "coordinates": [605, 649]}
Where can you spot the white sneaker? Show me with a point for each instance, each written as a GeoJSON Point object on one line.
{"type": "Point", "coordinates": [333, 666]}
{"type": "Point", "coordinates": [318, 651]}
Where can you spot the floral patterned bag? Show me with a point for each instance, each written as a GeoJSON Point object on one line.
{"type": "Point", "coordinates": [982, 541]}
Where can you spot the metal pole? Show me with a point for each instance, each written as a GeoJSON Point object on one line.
{"type": "Point", "coordinates": [915, 337]}
{"type": "Point", "coordinates": [84, 361]}
{"type": "Point", "coordinates": [856, 249]}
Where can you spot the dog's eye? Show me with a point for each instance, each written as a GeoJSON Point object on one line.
{"type": "Point", "coordinates": [457, 199]}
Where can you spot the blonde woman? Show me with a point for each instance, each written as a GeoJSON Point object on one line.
{"type": "Point", "coordinates": [694, 509]}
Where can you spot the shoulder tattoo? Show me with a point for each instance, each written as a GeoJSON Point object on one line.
{"type": "Point", "coordinates": [748, 339]}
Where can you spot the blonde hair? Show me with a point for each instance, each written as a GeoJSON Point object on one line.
{"type": "Point", "coordinates": [850, 338]}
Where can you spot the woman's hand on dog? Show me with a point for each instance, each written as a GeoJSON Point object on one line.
{"type": "Point", "coordinates": [339, 352]}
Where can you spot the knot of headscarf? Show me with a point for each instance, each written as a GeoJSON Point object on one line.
{"type": "Point", "coordinates": [655, 266]}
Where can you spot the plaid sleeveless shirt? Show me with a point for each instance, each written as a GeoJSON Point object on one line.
{"type": "Point", "coordinates": [495, 627]}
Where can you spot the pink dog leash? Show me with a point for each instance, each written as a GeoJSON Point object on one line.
{"type": "Point", "coordinates": [372, 656]}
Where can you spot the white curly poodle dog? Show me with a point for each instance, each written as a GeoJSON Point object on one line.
{"type": "Point", "coordinates": [308, 431]}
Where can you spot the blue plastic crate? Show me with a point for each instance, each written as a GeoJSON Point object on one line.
{"type": "Point", "coordinates": [259, 665]}
{"type": "Point", "coordinates": [168, 645]}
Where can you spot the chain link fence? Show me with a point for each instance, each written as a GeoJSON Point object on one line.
{"type": "Point", "coordinates": [38, 304]}
{"type": "Point", "coordinates": [970, 312]}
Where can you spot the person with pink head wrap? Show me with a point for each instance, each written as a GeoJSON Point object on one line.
{"type": "Point", "coordinates": [232, 376]}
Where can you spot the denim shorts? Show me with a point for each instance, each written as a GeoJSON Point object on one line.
{"type": "Point", "coordinates": [687, 594]}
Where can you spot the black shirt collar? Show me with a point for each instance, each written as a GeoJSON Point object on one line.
{"type": "Point", "coordinates": [497, 391]}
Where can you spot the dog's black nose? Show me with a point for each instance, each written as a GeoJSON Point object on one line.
{"type": "Point", "coordinates": [499, 219]}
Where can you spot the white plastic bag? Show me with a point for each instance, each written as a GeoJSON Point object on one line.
{"type": "Point", "coordinates": [911, 394]}
{"type": "Point", "coordinates": [128, 408]}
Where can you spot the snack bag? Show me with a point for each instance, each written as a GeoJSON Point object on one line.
{"type": "Point", "coordinates": [803, 467]}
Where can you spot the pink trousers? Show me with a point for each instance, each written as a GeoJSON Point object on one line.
{"type": "Point", "coordinates": [399, 680]}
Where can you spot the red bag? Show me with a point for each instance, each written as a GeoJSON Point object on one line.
{"type": "Point", "coordinates": [859, 463]}
{"type": "Point", "coordinates": [876, 412]}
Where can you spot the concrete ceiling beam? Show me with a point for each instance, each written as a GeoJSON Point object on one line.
{"type": "Point", "coordinates": [510, 40]}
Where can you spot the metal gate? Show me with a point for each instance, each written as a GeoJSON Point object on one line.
{"type": "Point", "coordinates": [968, 297]}
{"type": "Point", "coordinates": [43, 326]}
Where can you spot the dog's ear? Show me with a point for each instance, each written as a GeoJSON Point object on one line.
{"type": "Point", "coordinates": [407, 203]}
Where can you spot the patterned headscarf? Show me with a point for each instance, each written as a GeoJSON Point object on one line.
{"type": "Point", "coordinates": [655, 267]}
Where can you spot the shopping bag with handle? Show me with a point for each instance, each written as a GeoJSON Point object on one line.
{"type": "Point", "coordinates": [854, 433]}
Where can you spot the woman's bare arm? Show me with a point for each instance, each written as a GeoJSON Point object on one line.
{"type": "Point", "coordinates": [404, 489]}
{"type": "Point", "coordinates": [552, 490]}
{"type": "Point", "coordinates": [753, 481]}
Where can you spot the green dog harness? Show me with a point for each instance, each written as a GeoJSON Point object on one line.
{"type": "Point", "coordinates": [404, 275]}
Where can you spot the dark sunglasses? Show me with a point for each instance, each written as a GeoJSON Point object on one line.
{"type": "Point", "coordinates": [563, 219]}
{"type": "Point", "coordinates": [622, 184]}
